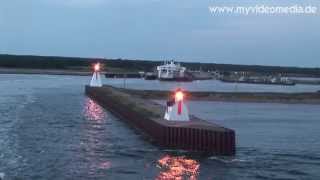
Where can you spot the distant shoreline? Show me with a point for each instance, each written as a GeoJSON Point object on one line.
{"type": "Point", "coordinates": [135, 65]}
{"type": "Point", "coordinates": [44, 71]}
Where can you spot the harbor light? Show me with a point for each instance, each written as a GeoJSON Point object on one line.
{"type": "Point", "coordinates": [176, 109]}
{"type": "Point", "coordinates": [97, 67]}
{"type": "Point", "coordinates": [96, 77]}
{"type": "Point", "coordinates": [179, 96]}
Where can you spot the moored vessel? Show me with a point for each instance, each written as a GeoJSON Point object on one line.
{"type": "Point", "coordinates": [171, 71]}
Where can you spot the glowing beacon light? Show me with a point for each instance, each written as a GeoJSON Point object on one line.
{"type": "Point", "coordinates": [179, 99]}
{"type": "Point", "coordinates": [96, 78]}
{"type": "Point", "coordinates": [176, 108]}
{"type": "Point", "coordinates": [97, 67]}
{"type": "Point", "coordinates": [179, 96]}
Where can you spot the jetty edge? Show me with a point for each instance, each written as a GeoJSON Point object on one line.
{"type": "Point", "coordinates": [196, 135]}
{"type": "Point", "coordinates": [255, 97]}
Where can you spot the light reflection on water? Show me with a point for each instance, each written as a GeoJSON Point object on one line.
{"type": "Point", "coordinates": [178, 167]}
{"type": "Point", "coordinates": [94, 134]}
{"type": "Point", "coordinates": [93, 111]}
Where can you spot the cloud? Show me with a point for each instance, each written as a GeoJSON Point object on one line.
{"type": "Point", "coordinates": [95, 3]}
{"type": "Point", "coordinates": [79, 3]}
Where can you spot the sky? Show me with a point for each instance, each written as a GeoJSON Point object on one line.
{"type": "Point", "coordinates": [161, 30]}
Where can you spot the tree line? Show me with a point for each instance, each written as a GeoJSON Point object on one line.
{"type": "Point", "coordinates": [52, 62]}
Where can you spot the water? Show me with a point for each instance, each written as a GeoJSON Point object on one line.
{"type": "Point", "coordinates": [50, 130]}
{"type": "Point", "coordinates": [211, 85]}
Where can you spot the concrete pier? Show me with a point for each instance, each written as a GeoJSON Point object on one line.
{"type": "Point", "coordinates": [257, 97]}
{"type": "Point", "coordinates": [196, 135]}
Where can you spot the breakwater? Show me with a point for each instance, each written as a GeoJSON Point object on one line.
{"type": "Point", "coordinates": [263, 97]}
{"type": "Point", "coordinates": [195, 135]}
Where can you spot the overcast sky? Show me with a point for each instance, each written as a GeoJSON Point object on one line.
{"type": "Point", "coordinates": [160, 29]}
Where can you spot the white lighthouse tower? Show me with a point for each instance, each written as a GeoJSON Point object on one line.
{"type": "Point", "coordinates": [176, 108]}
{"type": "Point", "coordinates": [96, 78]}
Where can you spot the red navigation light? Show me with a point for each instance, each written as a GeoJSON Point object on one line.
{"type": "Point", "coordinates": [97, 67]}
{"type": "Point", "coordinates": [179, 96]}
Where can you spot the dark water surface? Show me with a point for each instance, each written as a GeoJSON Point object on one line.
{"type": "Point", "coordinates": [50, 130]}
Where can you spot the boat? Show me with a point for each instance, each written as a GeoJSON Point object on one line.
{"type": "Point", "coordinates": [171, 71]}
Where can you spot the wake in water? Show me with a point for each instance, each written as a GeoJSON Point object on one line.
{"type": "Point", "coordinates": [2, 176]}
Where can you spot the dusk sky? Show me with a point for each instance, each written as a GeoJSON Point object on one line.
{"type": "Point", "coordinates": [159, 30]}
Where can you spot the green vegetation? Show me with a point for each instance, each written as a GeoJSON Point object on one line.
{"type": "Point", "coordinates": [51, 62]}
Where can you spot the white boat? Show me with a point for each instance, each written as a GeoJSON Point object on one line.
{"type": "Point", "coordinates": [171, 71]}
